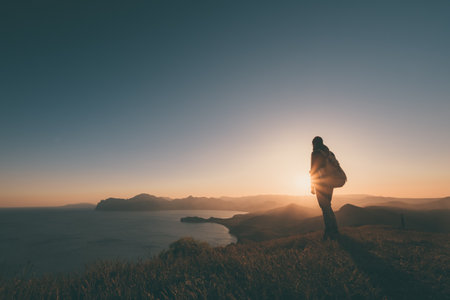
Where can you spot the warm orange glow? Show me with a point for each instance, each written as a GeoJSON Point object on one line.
{"type": "Point", "coordinates": [271, 166]}
{"type": "Point", "coordinates": [303, 184]}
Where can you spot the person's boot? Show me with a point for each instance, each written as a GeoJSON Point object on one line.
{"type": "Point", "coordinates": [326, 235]}
{"type": "Point", "coordinates": [333, 235]}
{"type": "Point", "coordinates": [330, 234]}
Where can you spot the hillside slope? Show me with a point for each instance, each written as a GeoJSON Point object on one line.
{"type": "Point", "coordinates": [294, 219]}
{"type": "Point", "coordinates": [366, 263]}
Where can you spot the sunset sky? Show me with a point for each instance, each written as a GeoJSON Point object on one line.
{"type": "Point", "coordinates": [213, 98]}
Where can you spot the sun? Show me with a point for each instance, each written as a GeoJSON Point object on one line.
{"type": "Point", "coordinates": [302, 184]}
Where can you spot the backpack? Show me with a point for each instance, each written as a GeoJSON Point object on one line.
{"type": "Point", "coordinates": [334, 175]}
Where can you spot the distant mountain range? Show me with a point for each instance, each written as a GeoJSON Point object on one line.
{"type": "Point", "coordinates": [264, 203]}
{"type": "Point", "coordinates": [294, 219]}
{"type": "Point", "coordinates": [150, 202]}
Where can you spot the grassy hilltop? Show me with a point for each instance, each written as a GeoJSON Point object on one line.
{"type": "Point", "coordinates": [369, 262]}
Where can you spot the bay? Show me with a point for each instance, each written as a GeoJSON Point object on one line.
{"type": "Point", "coordinates": [39, 241]}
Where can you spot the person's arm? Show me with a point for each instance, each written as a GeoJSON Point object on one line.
{"type": "Point", "coordinates": [317, 162]}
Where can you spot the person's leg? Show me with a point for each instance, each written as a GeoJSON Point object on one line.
{"type": "Point", "coordinates": [324, 195]}
{"type": "Point", "coordinates": [324, 205]}
{"type": "Point", "coordinates": [332, 217]}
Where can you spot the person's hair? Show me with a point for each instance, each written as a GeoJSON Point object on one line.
{"type": "Point", "coordinates": [317, 141]}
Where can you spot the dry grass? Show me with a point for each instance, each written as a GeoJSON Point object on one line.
{"type": "Point", "coordinates": [366, 263]}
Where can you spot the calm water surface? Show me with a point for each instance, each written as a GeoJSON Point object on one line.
{"type": "Point", "coordinates": [49, 240]}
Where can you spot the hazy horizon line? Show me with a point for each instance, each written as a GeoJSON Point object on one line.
{"type": "Point", "coordinates": [220, 197]}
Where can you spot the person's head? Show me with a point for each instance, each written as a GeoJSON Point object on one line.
{"type": "Point", "coordinates": [317, 142]}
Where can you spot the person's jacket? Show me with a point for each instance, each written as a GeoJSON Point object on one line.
{"type": "Point", "coordinates": [318, 163]}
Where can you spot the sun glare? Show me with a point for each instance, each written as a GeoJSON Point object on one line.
{"type": "Point", "coordinates": [302, 184]}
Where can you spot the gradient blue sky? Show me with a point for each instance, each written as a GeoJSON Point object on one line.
{"type": "Point", "coordinates": [115, 98]}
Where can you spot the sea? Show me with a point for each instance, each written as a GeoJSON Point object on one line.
{"type": "Point", "coordinates": [40, 241]}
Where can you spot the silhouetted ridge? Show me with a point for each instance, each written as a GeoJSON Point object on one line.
{"type": "Point", "coordinates": [443, 203]}
{"type": "Point", "coordinates": [293, 219]}
{"type": "Point", "coordinates": [292, 211]}
{"type": "Point", "coordinates": [139, 202]}
{"type": "Point", "coordinates": [145, 197]}
{"type": "Point", "coordinates": [262, 203]}
{"type": "Point", "coordinates": [350, 208]}
{"type": "Point", "coordinates": [151, 202]}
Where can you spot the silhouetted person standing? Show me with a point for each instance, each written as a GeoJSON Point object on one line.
{"type": "Point", "coordinates": [326, 174]}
